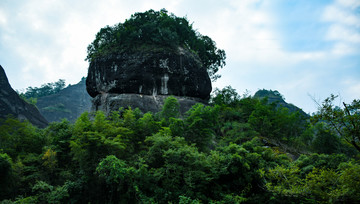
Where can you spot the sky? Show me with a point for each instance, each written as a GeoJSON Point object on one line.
{"type": "Point", "coordinates": [305, 49]}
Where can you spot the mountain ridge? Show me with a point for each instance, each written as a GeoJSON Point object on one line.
{"type": "Point", "coordinates": [12, 104]}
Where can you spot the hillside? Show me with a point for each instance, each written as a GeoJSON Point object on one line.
{"type": "Point", "coordinates": [68, 103]}
{"type": "Point", "coordinates": [11, 103]}
{"type": "Point", "coordinates": [278, 99]}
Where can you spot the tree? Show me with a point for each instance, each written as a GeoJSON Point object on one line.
{"type": "Point", "coordinates": [200, 125]}
{"type": "Point", "coordinates": [345, 121]}
{"type": "Point", "coordinates": [316, 179]}
{"type": "Point", "coordinates": [275, 123]}
{"type": "Point", "coordinates": [157, 30]}
{"type": "Point", "coordinates": [325, 141]}
{"type": "Point", "coordinates": [225, 97]}
{"type": "Point", "coordinates": [19, 137]}
{"type": "Point", "coordinates": [170, 109]}
{"type": "Point", "coordinates": [116, 175]}
{"type": "Point", "coordinates": [7, 181]}
{"type": "Point", "coordinates": [46, 89]}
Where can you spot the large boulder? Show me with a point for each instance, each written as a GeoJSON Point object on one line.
{"type": "Point", "coordinates": [11, 103]}
{"type": "Point", "coordinates": [146, 103]}
{"type": "Point", "coordinates": [153, 72]}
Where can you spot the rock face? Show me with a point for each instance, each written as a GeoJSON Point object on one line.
{"type": "Point", "coordinates": [11, 103]}
{"type": "Point", "coordinates": [146, 103]}
{"type": "Point", "coordinates": [69, 103]}
{"type": "Point", "coordinates": [143, 79]}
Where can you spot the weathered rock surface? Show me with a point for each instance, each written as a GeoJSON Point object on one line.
{"type": "Point", "coordinates": [11, 103]}
{"type": "Point", "coordinates": [146, 103]}
{"type": "Point", "coordinates": [69, 103]}
{"type": "Point", "coordinates": [165, 72]}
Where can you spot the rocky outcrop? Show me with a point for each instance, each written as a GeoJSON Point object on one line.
{"type": "Point", "coordinates": [146, 103]}
{"type": "Point", "coordinates": [68, 104]}
{"type": "Point", "coordinates": [278, 99]}
{"type": "Point", "coordinates": [177, 73]}
{"type": "Point", "coordinates": [144, 78]}
{"type": "Point", "coordinates": [11, 103]}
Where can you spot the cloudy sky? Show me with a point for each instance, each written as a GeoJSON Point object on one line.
{"type": "Point", "coordinates": [303, 48]}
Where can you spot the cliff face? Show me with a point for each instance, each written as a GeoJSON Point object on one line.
{"type": "Point", "coordinates": [178, 73]}
{"type": "Point", "coordinates": [69, 103]}
{"type": "Point", "coordinates": [151, 75]}
{"type": "Point", "coordinates": [146, 103]}
{"type": "Point", "coordinates": [11, 103]}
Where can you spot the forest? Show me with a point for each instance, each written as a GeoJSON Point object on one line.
{"type": "Point", "coordinates": [236, 149]}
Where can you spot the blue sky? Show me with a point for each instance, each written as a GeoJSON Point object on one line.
{"type": "Point", "coordinates": [303, 48]}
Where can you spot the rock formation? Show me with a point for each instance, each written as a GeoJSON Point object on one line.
{"type": "Point", "coordinates": [143, 79]}
{"type": "Point", "coordinates": [69, 103]}
{"type": "Point", "coordinates": [11, 103]}
{"type": "Point", "coordinates": [276, 97]}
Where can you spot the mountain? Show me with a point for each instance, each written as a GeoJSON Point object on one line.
{"type": "Point", "coordinates": [68, 103]}
{"type": "Point", "coordinates": [11, 103]}
{"type": "Point", "coordinates": [276, 97]}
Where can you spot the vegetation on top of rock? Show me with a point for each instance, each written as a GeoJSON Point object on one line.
{"type": "Point", "coordinates": [269, 93]}
{"type": "Point", "coordinates": [45, 90]}
{"type": "Point", "coordinates": [68, 103]}
{"type": "Point", "coordinates": [279, 100]}
{"type": "Point", "coordinates": [154, 30]}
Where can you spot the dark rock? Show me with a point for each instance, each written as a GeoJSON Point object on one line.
{"type": "Point", "coordinates": [146, 103]}
{"type": "Point", "coordinates": [68, 104]}
{"type": "Point", "coordinates": [153, 72]}
{"type": "Point", "coordinates": [11, 103]}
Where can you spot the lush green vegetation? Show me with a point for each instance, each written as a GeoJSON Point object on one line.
{"type": "Point", "coordinates": [238, 149]}
{"type": "Point", "coordinates": [345, 122]}
{"type": "Point", "coordinates": [154, 30]}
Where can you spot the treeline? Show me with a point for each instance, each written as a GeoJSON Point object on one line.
{"type": "Point", "coordinates": [237, 149]}
{"type": "Point", "coordinates": [32, 93]}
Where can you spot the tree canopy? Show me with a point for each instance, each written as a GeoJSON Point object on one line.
{"type": "Point", "coordinates": [156, 30]}
{"type": "Point", "coordinates": [344, 121]}
{"type": "Point", "coordinates": [44, 90]}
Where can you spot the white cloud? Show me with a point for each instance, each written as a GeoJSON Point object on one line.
{"type": "Point", "coordinates": [3, 18]}
{"type": "Point", "coordinates": [245, 31]}
{"type": "Point", "coordinates": [353, 89]}
{"type": "Point", "coordinates": [353, 4]}
{"type": "Point", "coordinates": [341, 14]}
{"type": "Point", "coordinates": [343, 49]}
{"type": "Point", "coordinates": [345, 26]}
{"type": "Point", "coordinates": [342, 33]}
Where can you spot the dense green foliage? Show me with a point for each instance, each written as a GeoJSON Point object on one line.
{"type": "Point", "coordinates": [345, 122]}
{"type": "Point", "coordinates": [154, 30]}
{"type": "Point", "coordinates": [238, 149]}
